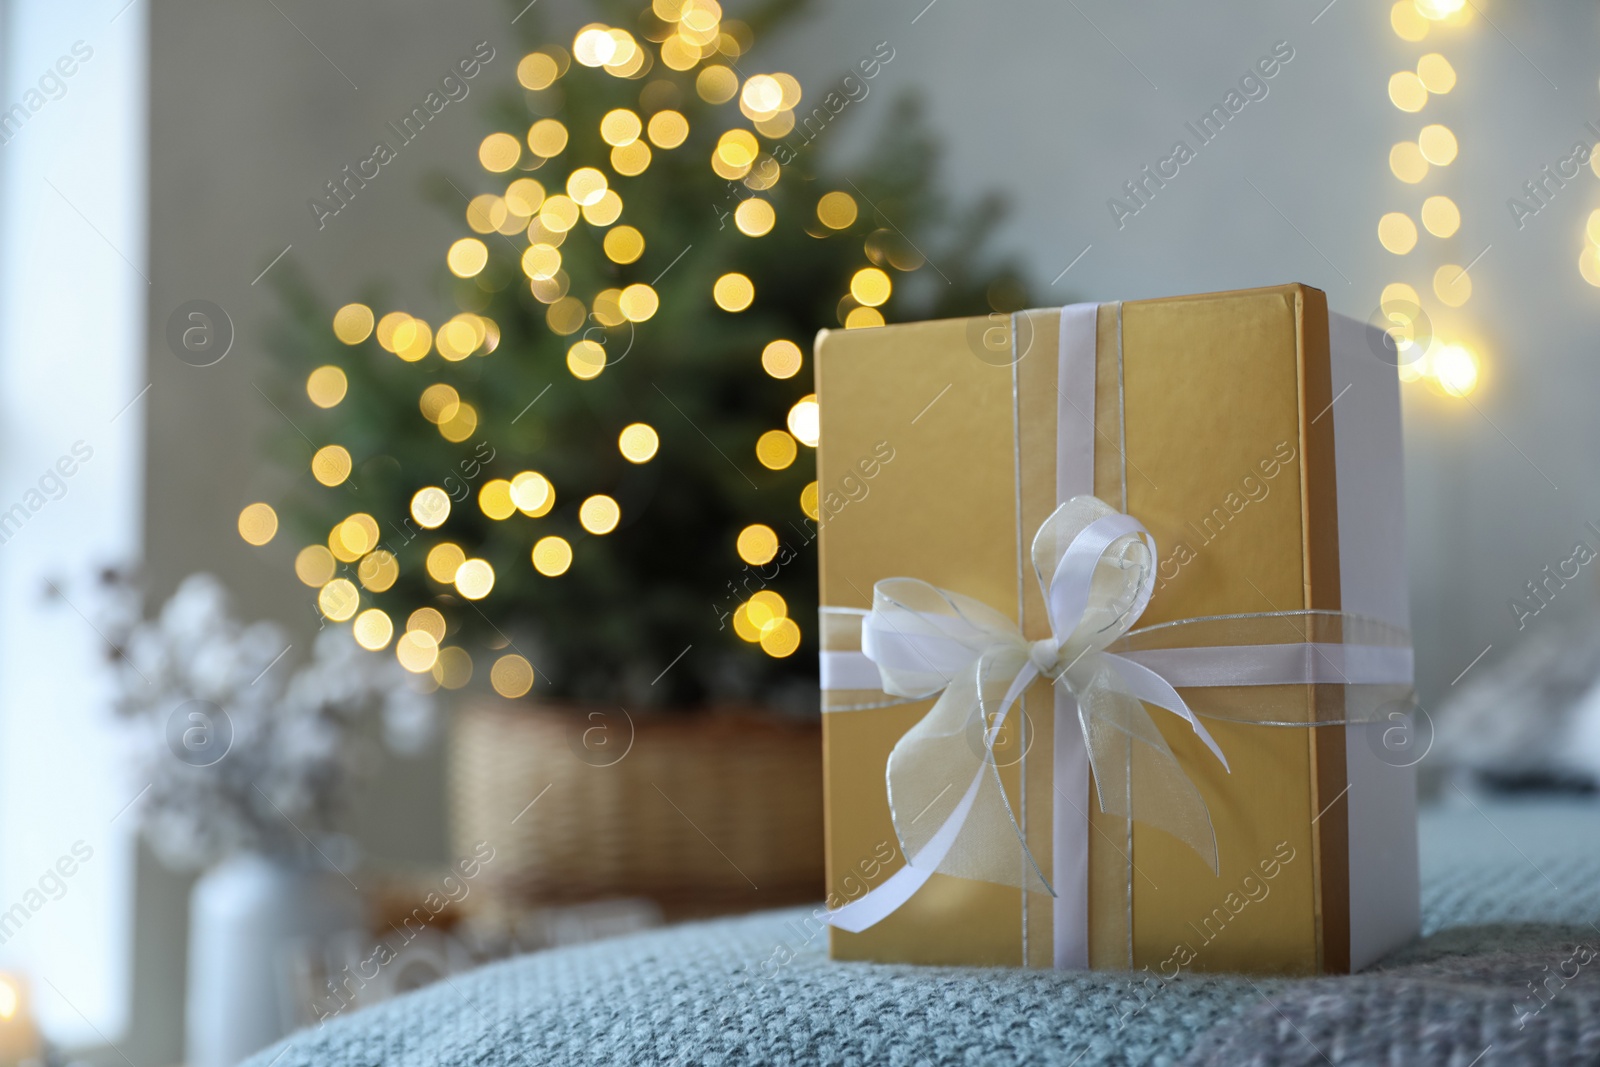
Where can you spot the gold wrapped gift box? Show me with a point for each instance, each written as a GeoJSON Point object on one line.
{"type": "Point", "coordinates": [1259, 444]}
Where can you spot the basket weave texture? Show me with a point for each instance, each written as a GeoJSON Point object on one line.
{"type": "Point", "coordinates": [703, 813]}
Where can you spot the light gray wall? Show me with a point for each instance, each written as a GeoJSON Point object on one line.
{"type": "Point", "coordinates": [249, 118]}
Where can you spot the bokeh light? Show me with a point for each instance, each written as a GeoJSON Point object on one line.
{"type": "Point", "coordinates": [631, 159]}
{"type": "Point", "coordinates": [623, 244]}
{"type": "Point", "coordinates": [781, 358]}
{"type": "Point", "coordinates": [1409, 23]}
{"type": "Point", "coordinates": [552, 556]}
{"type": "Point", "coordinates": [485, 213]}
{"type": "Point", "coordinates": [605, 210]}
{"type": "Point", "coordinates": [378, 570]}
{"type": "Point", "coordinates": [764, 609]}
{"type": "Point", "coordinates": [1589, 265]}
{"type": "Point", "coordinates": [638, 442]}
{"type": "Point", "coordinates": [762, 94]}
{"type": "Point", "coordinates": [1452, 285]}
{"type": "Point", "coordinates": [547, 137]}
{"type": "Point", "coordinates": [511, 676]}
{"type": "Point", "coordinates": [443, 561]}
{"type": "Point", "coordinates": [1436, 73]}
{"type": "Point", "coordinates": [809, 501]}
{"type": "Point", "coordinates": [523, 200]}
{"type": "Point", "coordinates": [775, 450]}
{"type": "Point", "coordinates": [1440, 216]}
{"type": "Point", "coordinates": [389, 331]}
{"type": "Point", "coordinates": [836, 210]}
{"type": "Point", "coordinates": [331, 464]}
{"type": "Point", "coordinates": [429, 621]}
{"type": "Point", "coordinates": [459, 426]}
{"type": "Point", "coordinates": [586, 185]}
{"type": "Point", "coordinates": [594, 46]}
{"type": "Point", "coordinates": [804, 420]}
{"type": "Point", "coordinates": [1407, 162]}
{"type": "Point", "coordinates": [754, 217]}
{"type": "Point", "coordinates": [1437, 144]}
{"type": "Point", "coordinates": [314, 565]}
{"type": "Point", "coordinates": [352, 323]}
{"type": "Point", "coordinates": [1407, 92]}
{"type": "Point", "coordinates": [870, 286]}
{"type": "Point", "coordinates": [638, 302]}
{"type": "Point", "coordinates": [372, 629]}
{"type": "Point", "coordinates": [537, 70]}
{"type": "Point", "coordinates": [453, 670]}
{"type": "Point", "coordinates": [586, 359]}
{"type": "Point", "coordinates": [499, 152]}
{"type": "Point", "coordinates": [258, 523]}
{"type": "Point", "coordinates": [620, 127]}
{"type": "Point", "coordinates": [541, 261]}
{"type": "Point", "coordinates": [430, 506]}
{"type": "Point", "coordinates": [533, 494]}
{"type": "Point", "coordinates": [733, 292]}
{"type": "Point", "coordinates": [467, 257]}
{"type": "Point", "coordinates": [339, 599]}
{"type": "Point", "coordinates": [716, 84]}
{"type": "Point", "coordinates": [781, 639]}
{"type": "Point", "coordinates": [667, 129]}
{"type": "Point", "coordinates": [474, 579]}
{"type": "Point", "coordinates": [757, 544]}
{"type": "Point", "coordinates": [1397, 233]}
{"type": "Point", "coordinates": [417, 651]}
{"type": "Point", "coordinates": [326, 386]}
{"type": "Point", "coordinates": [599, 514]}
{"type": "Point", "coordinates": [439, 402]}
{"type": "Point", "coordinates": [494, 499]}
{"type": "Point", "coordinates": [1456, 369]}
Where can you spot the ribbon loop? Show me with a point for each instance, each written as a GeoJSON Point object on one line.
{"type": "Point", "coordinates": [1097, 569]}
{"type": "Point", "coordinates": [922, 637]}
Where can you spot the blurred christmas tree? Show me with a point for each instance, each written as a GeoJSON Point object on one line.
{"type": "Point", "coordinates": [601, 466]}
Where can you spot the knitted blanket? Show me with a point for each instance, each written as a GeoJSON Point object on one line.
{"type": "Point", "coordinates": [1507, 972]}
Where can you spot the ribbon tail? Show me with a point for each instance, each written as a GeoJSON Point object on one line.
{"type": "Point", "coordinates": [1150, 687]}
{"type": "Point", "coordinates": [1136, 775]}
{"type": "Point", "coordinates": [969, 837]}
{"type": "Point", "coordinates": [865, 912]}
{"type": "Point", "coordinates": [932, 767]}
{"type": "Point", "coordinates": [1019, 685]}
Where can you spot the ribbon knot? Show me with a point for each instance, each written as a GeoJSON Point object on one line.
{"type": "Point", "coordinates": [1045, 655]}
{"type": "Point", "coordinates": [1096, 567]}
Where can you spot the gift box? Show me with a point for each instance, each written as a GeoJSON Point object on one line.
{"type": "Point", "coordinates": [1115, 658]}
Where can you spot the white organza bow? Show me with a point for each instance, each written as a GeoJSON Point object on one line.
{"type": "Point", "coordinates": [1096, 566]}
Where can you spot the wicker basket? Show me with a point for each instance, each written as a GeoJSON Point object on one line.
{"type": "Point", "coordinates": [702, 813]}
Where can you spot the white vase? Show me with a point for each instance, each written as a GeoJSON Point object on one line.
{"type": "Point", "coordinates": [245, 914]}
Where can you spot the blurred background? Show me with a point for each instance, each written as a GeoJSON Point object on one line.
{"type": "Point", "coordinates": [281, 288]}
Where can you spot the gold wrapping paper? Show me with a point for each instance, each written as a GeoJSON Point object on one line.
{"type": "Point", "coordinates": [1214, 401]}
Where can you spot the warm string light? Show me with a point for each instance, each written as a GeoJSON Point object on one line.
{"type": "Point", "coordinates": [543, 212]}
{"type": "Point", "coordinates": [1450, 368]}
{"type": "Point", "coordinates": [1589, 258]}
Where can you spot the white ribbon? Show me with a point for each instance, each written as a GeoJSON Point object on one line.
{"type": "Point", "coordinates": [924, 640]}
{"type": "Point", "coordinates": [949, 806]}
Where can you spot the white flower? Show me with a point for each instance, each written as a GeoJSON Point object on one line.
{"type": "Point", "coordinates": [291, 741]}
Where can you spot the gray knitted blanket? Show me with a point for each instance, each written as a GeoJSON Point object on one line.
{"type": "Point", "coordinates": [1508, 972]}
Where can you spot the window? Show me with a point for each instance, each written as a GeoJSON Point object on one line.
{"type": "Point", "coordinates": [73, 294]}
